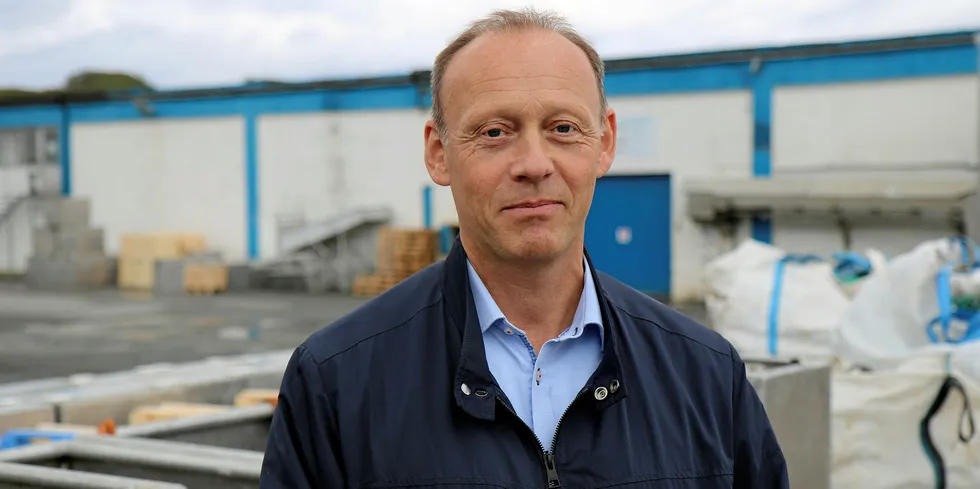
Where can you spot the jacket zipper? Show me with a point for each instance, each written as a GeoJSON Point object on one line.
{"type": "Point", "coordinates": [551, 468]}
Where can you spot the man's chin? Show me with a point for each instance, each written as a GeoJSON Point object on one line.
{"type": "Point", "coordinates": [534, 247]}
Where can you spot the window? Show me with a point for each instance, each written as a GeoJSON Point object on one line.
{"type": "Point", "coordinates": [29, 146]}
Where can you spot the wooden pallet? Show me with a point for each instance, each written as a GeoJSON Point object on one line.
{"type": "Point", "coordinates": [138, 254]}
{"type": "Point", "coordinates": [205, 278]}
{"type": "Point", "coordinates": [172, 410]}
{"type": "Point", "coordinates": [369, 285]}
{"type": "Point", "coordinates": [253, 397]}
{"type": "Point", "coordinates": [403, 252]}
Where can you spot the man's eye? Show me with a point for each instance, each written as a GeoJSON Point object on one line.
{"type": "Point", "coordinates": [564, 128]}
{"type": "Point", "coordinates": [494, 133]}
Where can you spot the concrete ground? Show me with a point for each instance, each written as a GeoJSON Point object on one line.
{"type": "Point", "coordinates": [47, 334]}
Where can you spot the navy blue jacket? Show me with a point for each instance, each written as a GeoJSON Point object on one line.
{"type": "Point", "coordinates": [376, 400]}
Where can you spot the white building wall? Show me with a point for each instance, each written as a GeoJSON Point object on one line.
{"type": "Point", "coordinates": [914, 124]}
{"type": "Point", "coordinates": [687, 135]}
{"type": "Point", "coordinates": [313, 166]}
{"type": "Point", "coordinates": [173, 175]}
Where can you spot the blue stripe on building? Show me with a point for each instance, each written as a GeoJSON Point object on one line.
{"type": "Point", "coordinates": [759, 70]}
{"type": "Point", "coordinates": [252, 184]}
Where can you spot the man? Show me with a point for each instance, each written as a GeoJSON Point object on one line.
{"type": "Point", "coordinates": [513, 363]}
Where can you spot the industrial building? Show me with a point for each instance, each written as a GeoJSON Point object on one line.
{"type": "Point", "coordinates": [813, 148]}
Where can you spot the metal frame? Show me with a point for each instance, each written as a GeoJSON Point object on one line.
{"type": "Point", "coordinates": [187, 463]}
{"type": "Point", "coordinates": [23, 476]}
{"type": "Point", "coordinates": [240, 427]}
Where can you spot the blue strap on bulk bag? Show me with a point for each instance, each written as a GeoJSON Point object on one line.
{"type": "Point", "coordinates": [777, 292]}
{"type": "Point", "coordinates": [949, 310]}
{"type": "Point", "coordinates": [851, 266]}
{"type": "Point", "coordinates": [969, 251]}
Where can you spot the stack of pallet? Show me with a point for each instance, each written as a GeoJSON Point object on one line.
{"type": "Point", "coordinates": [67, 251]}
{"type": "Point", "coordinates": [139, 254]}
{"type": "Point", "coordinates": [401, 253]}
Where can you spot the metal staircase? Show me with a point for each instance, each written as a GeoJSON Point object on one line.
{"type": "Point", "coordinates": [325, 255]}
{"type": "Point", "coordinates": [9, 205]}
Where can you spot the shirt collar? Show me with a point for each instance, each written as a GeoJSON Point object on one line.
{"type": "Point", "coordinates": [587, 312]}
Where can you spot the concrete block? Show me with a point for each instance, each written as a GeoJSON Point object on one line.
{"type": "Point", "coordinates": [797, 400]}
{"type": "Point", "coordinates": [112, 271]}
{"type": "Point", "coordinates": [240, 276]}
{"type": "Point", "coordinates": [65, 213]}
{"type": "Point", "coordinates": [76, 271]}
{"type": "Point", "coordinates": [50, 243]}
{"type": "Point", "coordinates": [168, 277]}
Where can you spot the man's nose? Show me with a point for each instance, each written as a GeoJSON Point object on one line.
{"type": "Point", "coordinates": [533, 159]}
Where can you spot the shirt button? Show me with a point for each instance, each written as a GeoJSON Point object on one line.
{"type": "Point", "coordinates": [509, 331]}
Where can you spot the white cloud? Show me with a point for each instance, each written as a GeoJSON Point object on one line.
{"type": "Point", "coordinates": [180, 43]}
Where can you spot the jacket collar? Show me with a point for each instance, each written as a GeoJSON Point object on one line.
{"type": "Point", "coordinates": [474, 388]}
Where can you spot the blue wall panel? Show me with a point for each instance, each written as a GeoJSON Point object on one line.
{"type": "Point", "coordinates": [639, 207]}
{"type": "Point", "coordinates": [42, 115]}
{"type": "Point", "coordinates": [731, 76]}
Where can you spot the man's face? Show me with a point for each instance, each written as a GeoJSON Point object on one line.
{"type": "Point", "coordinates": [524, 143]}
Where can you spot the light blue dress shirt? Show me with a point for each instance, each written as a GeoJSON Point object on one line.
{"type": "Point", "coordinates": [541, 386]}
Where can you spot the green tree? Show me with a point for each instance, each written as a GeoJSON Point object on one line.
{"type": "Point", "coordinates": [93, 81]}
{"type": "Point", "coordinates": [83, 82]}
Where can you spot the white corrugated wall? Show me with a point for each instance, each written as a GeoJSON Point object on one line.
{"type": "Point", "coordinates": [913, 124]}
{"type": "Point", "coordinates": [170, 175]}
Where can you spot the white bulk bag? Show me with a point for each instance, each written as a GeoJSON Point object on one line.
{"type": "Point", "coordinates": [769, 304]}
{"type": "Point", "coordinates": [876, 438]}
{"type": "Point", "coordinates": [890, 316]}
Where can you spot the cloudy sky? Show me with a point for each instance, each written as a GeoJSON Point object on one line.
{"type": "Point", "coordinates": [190, 43]}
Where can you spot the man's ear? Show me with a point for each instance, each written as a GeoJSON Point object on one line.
{"type": "Point", "coordinates": [608, 142]}
{"type": "Point", "coordinates": [435, 155]}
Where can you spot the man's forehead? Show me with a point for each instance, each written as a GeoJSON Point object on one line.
{"type": "Point", "coordinates": [497, 63]}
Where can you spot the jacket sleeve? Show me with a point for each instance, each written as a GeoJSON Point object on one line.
{"type": "Point", "coordinates": [759, 462]}
{"type": "Point", "coordinates": [303, 450]}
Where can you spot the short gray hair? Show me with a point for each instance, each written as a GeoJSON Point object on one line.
{"type": "Point", "coordinates": [512, 20]}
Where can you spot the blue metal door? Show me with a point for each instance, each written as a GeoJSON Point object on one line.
{"type": "Point", "coordinates": [627, 233]}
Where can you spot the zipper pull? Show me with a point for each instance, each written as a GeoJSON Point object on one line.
{"type": "Point", "coordinates": [549, 463]}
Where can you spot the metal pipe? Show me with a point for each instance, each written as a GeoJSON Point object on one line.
{"type": "Point", "coordinates": [191, 423]}
{"type": "Point", "coordinates": [47, 477]}
{"type": "Point", "coordinates": [196, 452]}
{"type": "Point", "coordinates": [192, 461]}
{"type": "Point", "coordinates": [186, 457]}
